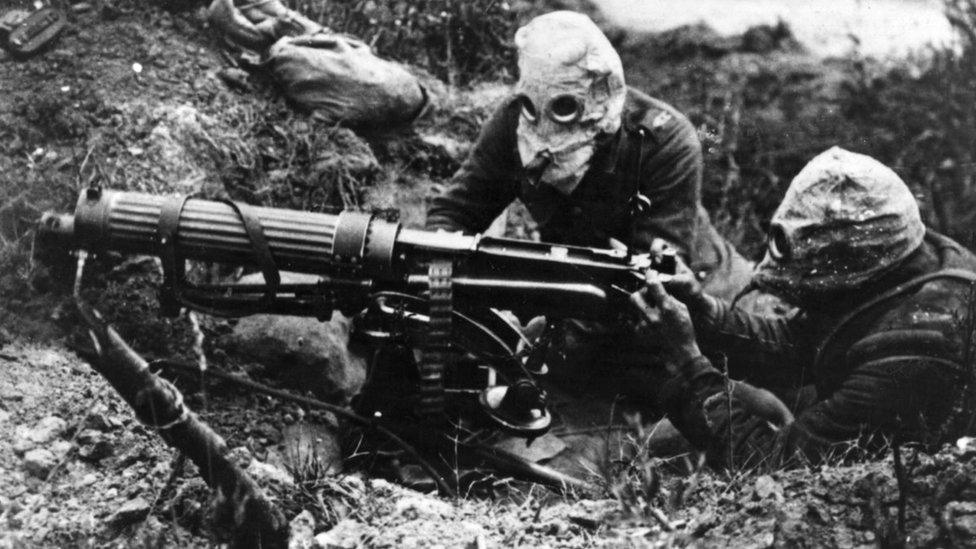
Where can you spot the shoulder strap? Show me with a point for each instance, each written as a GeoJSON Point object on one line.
{"type": "Point", "coordinates": [638, 203]}
{"type": "Point", "coordinates": [959, 275]}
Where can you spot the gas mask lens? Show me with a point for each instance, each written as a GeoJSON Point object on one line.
{"type": "Point", "coordinates": [528, 109]}
{"type": "Point", "coordinates": [565, 109]}
{"type": "Point", "coordinates": [779, 244]}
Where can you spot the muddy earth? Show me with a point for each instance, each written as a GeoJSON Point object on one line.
{"type": "Point", "coordinates": [144, 98]}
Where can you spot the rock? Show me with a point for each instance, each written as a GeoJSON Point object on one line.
{"type": "Point", "coordinates": [265, 473]}
{"type": "Point", "coordinates": [765, 487]}
{"type": "Point", "coordinates": [22, 445]}
{"type": "Point", "coordinates": [382, 487]}
{"type": "Point", "coordinates": [344, 535]}
{"type": "Point", "coordinates": [89, 436]}
{"type": "Point", "coordinates": [353, 484]}
{"type": "Point", "coordinates": [312, 450]}
{"type": "Point", "coordinates": [267, 432]}
{"type": "Point", "coordinates": [102, 422]}
{"type": "Point", "coordinates": [45, 430]}
{"type": "Point", "coordinates": [965, 447]}
{"type": "Point", "coordinates": [130, 512]}
{"type": "Point", "coordinates": [960, 519]}
{"type": "Point", "coordinates": [60, 448]}
{"type": "Point", "coordinates": [39, 462]}
{"type": "Point", "coordinates": [240, 456]}
{"type": "Point", "coordinates": [308, 353]}
{"type": "Point", "coordinates": [415, 507]}
{"type": "Point", "coordinates": [701, 525]}
{"type": "Point", "coordinates": [100, 448]}
{"type": "Point", "coordinates": [301, 531]}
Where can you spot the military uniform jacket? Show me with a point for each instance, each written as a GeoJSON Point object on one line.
{"type": "Point", "coordinates": [656, 153]}
{"type": "Point", "coordinates": [889, 362]}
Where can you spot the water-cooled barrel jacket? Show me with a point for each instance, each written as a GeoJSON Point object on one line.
{"type": "Point", "coordinates": [656, 152]}
{"type": "Point", "coordinates": [894, 368]}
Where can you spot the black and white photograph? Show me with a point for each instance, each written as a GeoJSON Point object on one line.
{"type": "Point", "coordinates": [341, 274]}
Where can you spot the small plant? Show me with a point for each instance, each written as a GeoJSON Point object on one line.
{"type": "Point", "coordinates": [634, 477]}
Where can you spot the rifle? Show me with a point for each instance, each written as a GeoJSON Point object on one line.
{"type": "Point", "coordinates": [434, 291]}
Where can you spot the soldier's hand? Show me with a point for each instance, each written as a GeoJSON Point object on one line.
{"type": "Point", "coordinates": [667, 319]}
{"type": "Point", "coordinates": [684, 283]}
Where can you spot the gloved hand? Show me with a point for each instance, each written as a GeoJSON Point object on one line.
{"type": "Point", "coordinates": [683, 284]}
{"type": "Point", "coordinates": [258, 25]}
{"type": "Point", "coordinates": [666, 319]}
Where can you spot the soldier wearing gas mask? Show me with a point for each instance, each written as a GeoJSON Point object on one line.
{"type": "Point", "coordinates": [592, 160]}
{"type": "Point", "coordinates": [878, 342]}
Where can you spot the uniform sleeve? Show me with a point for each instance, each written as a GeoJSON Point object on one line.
{"type": "Point", "coordinates": [671, 178]}
{"type": "Point", "coordinates": [886, 394]}
{"type": "Point", "coordinates": [768, 344]}
{"type": "Point", "coordinates": [485, 184]}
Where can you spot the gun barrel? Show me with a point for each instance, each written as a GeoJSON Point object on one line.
{"type": "Point", "coordinates": [214, 231]}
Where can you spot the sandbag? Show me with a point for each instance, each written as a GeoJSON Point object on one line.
{"type": "Point", "coordinates": [339, 77]}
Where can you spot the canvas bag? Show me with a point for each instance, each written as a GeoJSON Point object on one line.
{"type": "Point", "coordinates": [319, 70]}
{"type": "Point", "coordinates": [339, 76]}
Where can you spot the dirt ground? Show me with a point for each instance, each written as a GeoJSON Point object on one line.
{"type": "Point", "coordinates": [141, 98]}
{"type": "Point", "coordinates": [81, 471]}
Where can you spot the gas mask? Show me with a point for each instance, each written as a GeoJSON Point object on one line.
{"type": "Point", "coordinates": [846, 220]}
{"type": "Point", "coordinates": [571, 92]}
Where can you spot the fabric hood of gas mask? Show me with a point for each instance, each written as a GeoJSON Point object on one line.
{"type": "Point", "coordinates": [563, 57]}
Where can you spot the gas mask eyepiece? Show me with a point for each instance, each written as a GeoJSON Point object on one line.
{"type": "Point", "coordinates": [528, 109]}
{"type": "Point", "coordinates": [565, 109]}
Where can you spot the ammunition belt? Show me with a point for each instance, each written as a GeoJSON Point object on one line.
{"type": "Point", "coordinates": [437, 356]}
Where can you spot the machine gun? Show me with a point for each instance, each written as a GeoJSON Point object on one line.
{"type": "Point", "coordinates": [408, 290]}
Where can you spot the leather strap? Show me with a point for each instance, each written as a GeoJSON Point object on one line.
{"type": "Point", "coordinates": [174, 266]}
{"type": "Point", "coordinates": [171, 297]}
{"type": "Point", "coordinates": [639, 203]}
{"type": "Point", "coordinates": [262, 251]}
